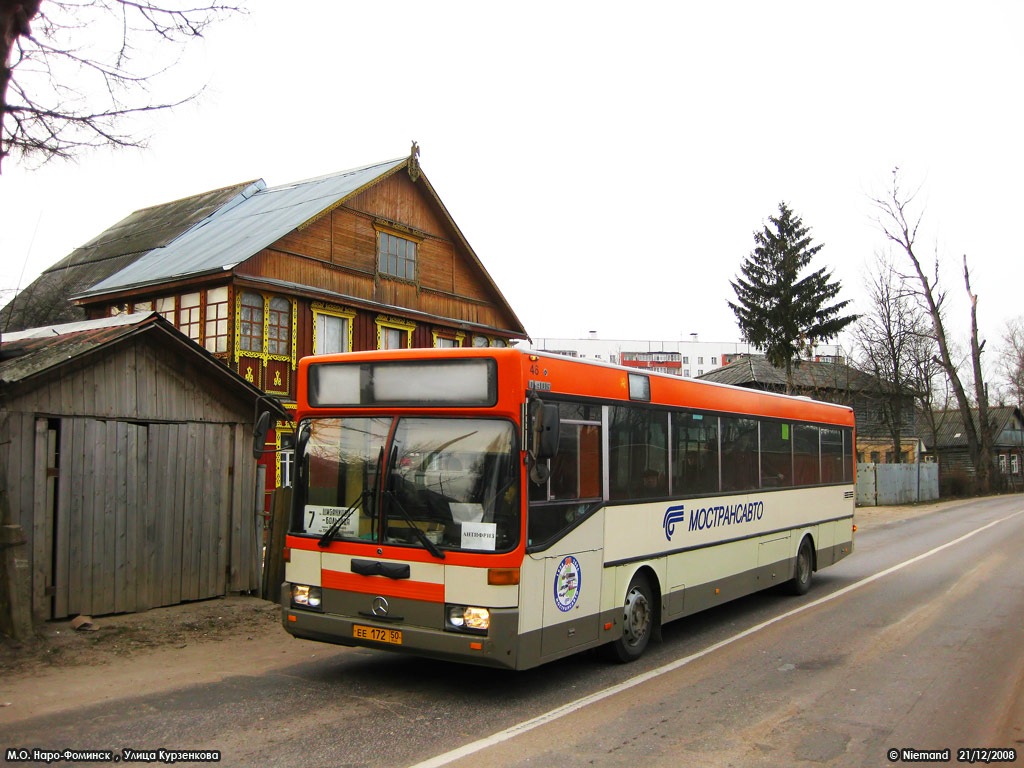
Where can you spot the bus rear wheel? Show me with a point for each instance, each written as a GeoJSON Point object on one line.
{"type": "Point", "coordinates": [801, 581]}
{"type": "Point", "coordinates": [637, 621]}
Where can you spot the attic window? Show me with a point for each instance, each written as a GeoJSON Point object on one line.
{"type": "Point", "coordinates": [396, 256]}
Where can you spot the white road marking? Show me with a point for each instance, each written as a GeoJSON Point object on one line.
{"type": "Point", "coordinates": [573, 706]}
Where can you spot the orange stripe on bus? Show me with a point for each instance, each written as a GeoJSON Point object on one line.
{"type": "Point", "coordinates": [379, 585]}
{"type": "Point", "coordinates": [374, 551]}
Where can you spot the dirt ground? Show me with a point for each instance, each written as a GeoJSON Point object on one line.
{"type": "Point", "coordinates": [122, 636]}
{"type": "Point", "coordinates": [186, 644]}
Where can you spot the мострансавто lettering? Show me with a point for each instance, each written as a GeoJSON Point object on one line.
{"type": "Point", "coordinates": [712, 517]}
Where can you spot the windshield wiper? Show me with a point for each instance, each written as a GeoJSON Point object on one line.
{"type": "Point", "coordinates": [431, 546]}
{"type": "Point", "coordinates": [328, 536]}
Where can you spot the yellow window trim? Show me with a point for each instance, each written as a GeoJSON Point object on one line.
{"type": "Point", "coordinates": [459, 337]}
{"type": "Point", "coordinates": [289, 428]}
{"type": "Point", "coordinates": [399, 230]}
{"type": "Point", "coordinates": [265, 356]}
{"type": "Point", "coordinates": [320, 308]}
{"type": "Point", "coordinates": [385, 321]}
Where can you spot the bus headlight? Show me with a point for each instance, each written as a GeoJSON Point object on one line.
{"type": "Point", "coordinates": [306, 597]}
{"type": "Point", "coordinates": [467, 618]}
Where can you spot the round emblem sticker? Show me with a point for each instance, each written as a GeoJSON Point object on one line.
{"type": "Point", "coordinates": [567, 583]}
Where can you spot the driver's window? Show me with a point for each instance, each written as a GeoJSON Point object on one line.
{"type": "Point", "coordinates": [573, 484]}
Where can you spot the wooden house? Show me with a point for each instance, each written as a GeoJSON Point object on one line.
{"type": "Point", "coordinates": [261, 276]}
{"type": "Point", "coordinates": [945, 439]}
{"type": "Point", "coordinates": [127, 453]}
{"type": "Point", "coordinates": [834, 381]}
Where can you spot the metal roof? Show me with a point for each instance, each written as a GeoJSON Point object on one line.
{"type": "Point", "coordinates": [45, 300]}
{"type": "Point", "coordinates": [241, 227]}
{"type": "Point", "coordinates": [50, 331]}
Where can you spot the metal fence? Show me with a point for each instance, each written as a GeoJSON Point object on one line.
{"type": "Point", "coordinates": [884, 484]}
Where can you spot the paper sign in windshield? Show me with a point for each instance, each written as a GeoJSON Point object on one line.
{"type": "Point", "coordinates": [479, 536]}
{"type": "Point", "coordinates": [466, 513]}
{"type": "Point", "coordinates": [319, 519]}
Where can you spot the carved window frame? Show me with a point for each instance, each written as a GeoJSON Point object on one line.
{"type": "Point", "coordinates": [384, 230]}
{"type": "Point", "coordinates": [263, 354]}
{"type": "Point", "coordinates": [458, 337]}
{"type": "Point", "coordinates": [396, 323]}
{"type": "Point", "coordinates": [332, 310]}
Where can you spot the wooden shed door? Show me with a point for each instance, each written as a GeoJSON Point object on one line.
{"type": "Point", "coordinates": [103, 477]}
{"type": "Point", "coordinates": [140, 516]}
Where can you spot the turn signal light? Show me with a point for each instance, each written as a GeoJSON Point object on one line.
{"type": "Point", "coordinates": [287, 554]}
{"type": "Point", "coordinates": [502, 576]}
{"type": "Point", "coordinates": [854, 527]}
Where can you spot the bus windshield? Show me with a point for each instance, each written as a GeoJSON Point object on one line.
{"type": "Point", "coordinates": [450, 484]}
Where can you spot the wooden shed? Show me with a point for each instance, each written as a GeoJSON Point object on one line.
{"type": "Point", "coordinates": [128, 456]}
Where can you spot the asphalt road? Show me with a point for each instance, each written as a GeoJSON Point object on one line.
{"type": "Point", "coordinates": [889, 650]}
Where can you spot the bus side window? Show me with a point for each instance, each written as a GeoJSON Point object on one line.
{"type": "Point", "coordinates": [776, 455]}
{"type": "Point", "coordinates": [638, 452]}
{"type": "Point", "coordinates": [807, 466]}
{"type": "Point", "coordinates": [694, 453]}
{"type": "Point", "coordinates": [831, 455]}
{"type": "Point", "coordinates": [739, 454]}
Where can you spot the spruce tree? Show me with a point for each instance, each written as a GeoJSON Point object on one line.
{"type": "Point", "coordinates": [779, 311]}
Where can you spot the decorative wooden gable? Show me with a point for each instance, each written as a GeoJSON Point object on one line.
{"type": "Point", "coordinates": [391, 243]}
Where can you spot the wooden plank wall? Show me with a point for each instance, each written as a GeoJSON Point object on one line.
{"type": "Point", "coordinates": [140, 515]}
{"type": "Point", "coordinates": [136, 381]}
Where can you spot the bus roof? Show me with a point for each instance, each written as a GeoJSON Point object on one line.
{"type": "Point", "coordinates": [546, 374]}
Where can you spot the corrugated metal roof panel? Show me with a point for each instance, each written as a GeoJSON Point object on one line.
{"type": "Point", "coordinates": [49, 331]}
{"type": "Point", "coordinates": [242, 228]}
{"type": "Point", "coordinates": [35, 350]}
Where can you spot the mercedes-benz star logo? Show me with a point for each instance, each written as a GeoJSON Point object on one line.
{"type": "Point", "coordinates": [380, 606]}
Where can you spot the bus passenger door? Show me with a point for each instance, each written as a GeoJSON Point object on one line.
{"type": "Point", "coordinates": [564, 517]}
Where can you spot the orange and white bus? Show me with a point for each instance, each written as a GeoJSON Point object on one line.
{"type": "Point", "coordinates": [506, 509]}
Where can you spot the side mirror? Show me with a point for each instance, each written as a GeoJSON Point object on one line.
{"type": "Point", "coordinates": [546, 423]}
{"type": "Point", "coordinates": [259, 434]}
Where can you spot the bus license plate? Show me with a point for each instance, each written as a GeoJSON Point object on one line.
{"type": "Point", "coordinates": [393, 636]}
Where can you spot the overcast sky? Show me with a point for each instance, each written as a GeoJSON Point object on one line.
{"type": "Point", "coordinates": [608, 163]}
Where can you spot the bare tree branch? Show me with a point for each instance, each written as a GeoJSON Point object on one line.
{"type": "Point", "coordinates": [901, 227]}
{"type": "Point", "coordinates": [79, 71]}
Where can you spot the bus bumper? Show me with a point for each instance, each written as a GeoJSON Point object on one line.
{"type": "Point", "coordinates": [495, 649]}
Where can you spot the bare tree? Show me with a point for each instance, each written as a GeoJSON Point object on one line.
{"type": "Point", "coordinates": [980, 392]}
{"type": "Point", "coordinates": [886, 339]}
{"type": "Point", "coordinates": [1011, 360]}
{"type": "Point", "coordinates": [933, 394]}
{"type": "Point", "coordinates": [900, 226]}
{"type": "Point", "coordinates": [73, 72]}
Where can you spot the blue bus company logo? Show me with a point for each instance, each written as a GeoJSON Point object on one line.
{"type": "Point", "coordinates": [700, 519]}
{"type": "Point", "coordinates": [567, 583]}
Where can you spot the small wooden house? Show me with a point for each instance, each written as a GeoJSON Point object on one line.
{"type": "Point", "coordinates": [261, 276]}
{"type": "Point", "coordinates": [945, 438]}
{"type": "Point", "coordinates": [127, 450]}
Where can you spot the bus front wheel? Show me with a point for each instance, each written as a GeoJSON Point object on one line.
{"type": "Point", "coordinates": [637, 621]}
{"type": "Point", "coordinates": [801, 581]}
